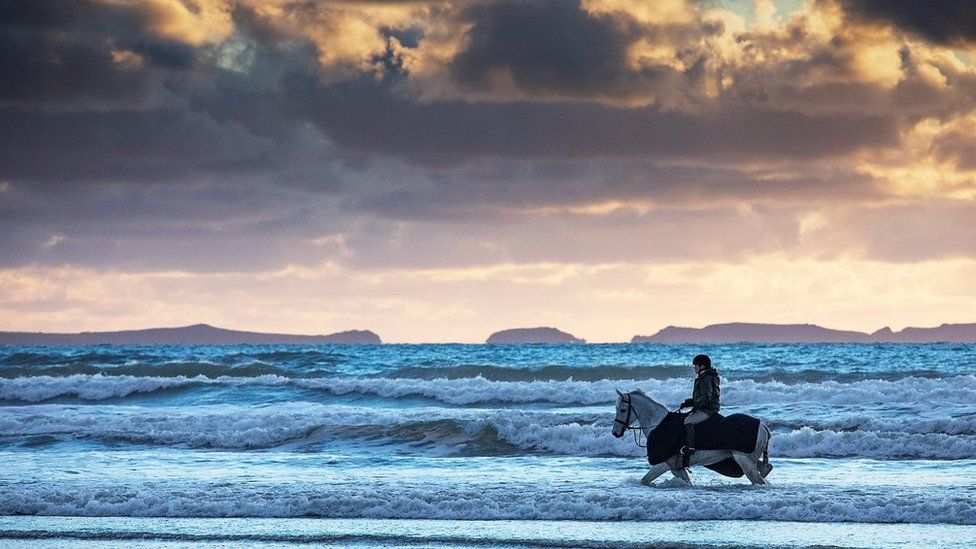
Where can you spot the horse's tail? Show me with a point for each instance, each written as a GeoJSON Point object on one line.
{"type": "Point", "coordinates": [769, 436]}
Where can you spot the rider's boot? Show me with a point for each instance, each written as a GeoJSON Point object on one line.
{"type": "Point", "coordinates": [689, 447]}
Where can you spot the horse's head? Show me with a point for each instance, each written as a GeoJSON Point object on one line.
{"type": "Point", "coordinates": [636, 407]}
{"type": "Point", "coordinates": [625, 415]}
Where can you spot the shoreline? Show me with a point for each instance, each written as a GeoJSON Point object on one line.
{"type": "Point", "coordinates": [115, 531]}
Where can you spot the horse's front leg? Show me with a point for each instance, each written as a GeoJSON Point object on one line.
{"type": "Point", "coordinates": [655, 472]}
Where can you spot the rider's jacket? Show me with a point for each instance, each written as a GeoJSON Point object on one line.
{"type": "Point", "coordinates": [705, 397]}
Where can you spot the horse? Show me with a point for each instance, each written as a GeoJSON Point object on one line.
{"type": "Point", "coordinates": [637, 407]}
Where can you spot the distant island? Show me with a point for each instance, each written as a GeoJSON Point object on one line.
{"type": "Point", "coordinates": [734, 332]}
{"type": "Point", "coordinates": [198, 334]}
{"type": "Point", "coordinates": [743, 332]}
{"type": "Point", "coordinates": [533, 335]}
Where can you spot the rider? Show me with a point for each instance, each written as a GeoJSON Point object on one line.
{"type": "Point", "coordinates": [704, 402]}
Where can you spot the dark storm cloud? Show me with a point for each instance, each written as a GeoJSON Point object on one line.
{"type": "Point", "coordinates": [234, 226]}
{"type": "Point", "coordinates": [362, 117]}
{"type": "Point", "coordinates": [67, 51]}
{"type": "Point", "coordinates": [234, 121]}
{"type": "Point", "coordinates": [939, 21]}
{"type": "Point", "coordinates": [35, 68]}
{"type": "Point", "coordinates": [216, 124]}
{"type": "Point", "coordinates": [503, 192]}
{"type": "Point", "coordinates": [551, 46]}
{"type": "Point", "coordinates": [156, 145]}
{"type": "Point", "coordinates": [236, 155]}
{"type": "Point", "coordinates": [231, 128]}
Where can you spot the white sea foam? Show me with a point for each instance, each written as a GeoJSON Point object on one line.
{"type": "Point", "coordinates": [907, 423]}
{"type": "Point", "coordinates": [595, 440]}
{"type": "Point", "coordinates": [478, 390]}
{"type": "Point", "coordinates": [491, 440]}
{"type": "Point", "coordinates": [87, 387]}
{"type": "Point", "coordinates": [441, 431]}
{"type": "Point", "coordinates": [491, 500]}
{"type": "Point", "coordinates": [956, 390]}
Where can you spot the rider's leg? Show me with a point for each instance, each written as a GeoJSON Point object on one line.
{"type": "Point", "coordinates": [691, 420]}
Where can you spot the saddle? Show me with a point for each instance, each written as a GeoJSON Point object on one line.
{"type": "Point", "coordinates": [736, 432]}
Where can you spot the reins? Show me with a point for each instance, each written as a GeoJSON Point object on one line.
{"type": "Point", "coordinates": [638, 432]}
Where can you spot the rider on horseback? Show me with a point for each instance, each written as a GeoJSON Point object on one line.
{"type": "Point", "coordinates": [704, 402]}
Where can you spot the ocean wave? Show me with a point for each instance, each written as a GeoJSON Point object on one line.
{"type": "Point", "coordinates": [808, 442]}
{"type": "Point", "coordinates": [956, 390]}
{"type": "Point", "coordinates": [433, 431]}
{"type": "Point", "coordinates": [258, 428]}
{"type": "Point", "coordinates": [478, 390]}
{"type": "Point", "coordinates": [555, 372]}
{"type": "Point", "coordinates": [368, 540]}
{"type": "Point", "coordinates": [559, 372]}
{"type": "Point", "coordinates": [488, 500]}
{"type": "Point", "coordinates": [908, 424]}
{"type": "Point", "coordinates": [87, 387]}
{"type": "Point", "coordinates": [254, 368]}
{"type": "Point", "coordinates": [302, 362]}
{"type": "Point", "coordinates": [40, 356]}
{"type": "Point", "coordinates": [595, 440]}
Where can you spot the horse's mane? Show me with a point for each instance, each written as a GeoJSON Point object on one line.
{"type": "Point", "coordinates": [648, 397]}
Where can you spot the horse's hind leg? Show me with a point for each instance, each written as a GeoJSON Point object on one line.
{"type": "Point", "coordinates": [761, 454]}
{"type": "Point", "coordinates": [748, 465]}
{"type": "Point", "coordinates": [764, 469]}
{"type": "Point", "coordinates": [656, 471]}
{"type": "Point", "coordinates": [682, 473]}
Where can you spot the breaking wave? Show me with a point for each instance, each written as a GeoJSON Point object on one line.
{"type": "Point", "coordinates": [420, 431]}
{"type": "Point", "coordinates": [301, 362]}
{"type": "Point", "coordinates": [165, 369]}
{"type": "Point", "coordinates": [958, 390]}
{"type": "Point", "coordinates": [405, 500]}
{"type": "Point", "coordinates": [467, 432]}
{"type": "Point", "coordinates": [555, 372]}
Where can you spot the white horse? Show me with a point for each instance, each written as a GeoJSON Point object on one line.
{"type": "Point", "coordinates": [637, 407]}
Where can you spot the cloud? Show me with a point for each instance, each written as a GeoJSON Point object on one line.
{"type": "Point", "coordinates": [947, 22]}
{"type": "Point", "coordinates": [557, 49]}
{"type": "Point", "coordinates": [155, 145]}
{"type": "Point", "coordinates": [913, 232]}
{"type": "Point", "coordinates": [240, 138]}
{"type": "Point", "coordinates": [448, 131]}
{"type": "Point", "coordinates": [605, 302]}
{"type": "Point", "coordinates": [956, 142]}
{"type": "Point", "coordinates": [247, 228]}
{"type": "Point", "coordinates": [88, 52]}
{"type": "Point", "coordinates": [502, 192]}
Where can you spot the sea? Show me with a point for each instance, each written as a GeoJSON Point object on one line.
{"type": "Point", "coordinates": [475, 446]}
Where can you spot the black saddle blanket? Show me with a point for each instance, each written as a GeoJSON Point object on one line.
{"type": "Point", "coordinates": [736, 432]}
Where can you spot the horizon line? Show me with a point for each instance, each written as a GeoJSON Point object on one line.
{"type": "Point", "coordinates": [584, 341]}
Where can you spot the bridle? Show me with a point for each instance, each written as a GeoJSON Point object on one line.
{"type": "Point", "coordinates": [626, 422]}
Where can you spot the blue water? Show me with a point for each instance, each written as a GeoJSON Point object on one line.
{"type": "Point", "coordinates": [866, 437]}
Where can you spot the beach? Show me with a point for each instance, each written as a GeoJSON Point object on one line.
{"type": "Point", "coordinates": [474, 445]}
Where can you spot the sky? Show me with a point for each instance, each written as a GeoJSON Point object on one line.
{"type": "Point", "coordinates": [436, 171]}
